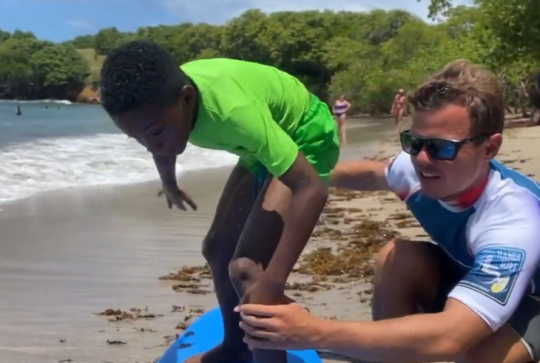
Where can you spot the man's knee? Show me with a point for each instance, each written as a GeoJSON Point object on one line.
{"type": "Point", "coordinates": [405, 256]}
{"type": "Point", "coordinates": [412, 261]}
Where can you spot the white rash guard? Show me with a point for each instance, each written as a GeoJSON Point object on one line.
{"type": "Point", "coordinates": [494, 236]}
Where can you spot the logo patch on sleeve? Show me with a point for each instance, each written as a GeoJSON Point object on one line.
{"type": "Point", "coordinates": [495, 272]}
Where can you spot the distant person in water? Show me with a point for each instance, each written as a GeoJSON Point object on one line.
{"type": "Point", "coordinates": [287, 143]}
{"type": "Point", "coordinates": [18, 111]}
{"type": "Point", "coordinates": [398, 107]}
{"type": "Point", "coordinates": [341, 106]}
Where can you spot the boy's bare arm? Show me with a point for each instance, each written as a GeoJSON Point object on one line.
{"type": "Point", "coordinates": [166, 167]}
{"type": "Point", "coordinates": [364, 175]}
{"type": "Point", "coordinates": [309, 195]}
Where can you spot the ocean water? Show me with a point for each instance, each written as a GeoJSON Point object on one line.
{"type": "Point", "coordinates": [54, 145]}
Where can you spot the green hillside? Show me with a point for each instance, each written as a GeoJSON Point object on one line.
{"type": "Point", "coordinates": [95, 62]}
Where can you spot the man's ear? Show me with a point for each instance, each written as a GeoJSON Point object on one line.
{"type": "Point", "coordinates": [493, 145]}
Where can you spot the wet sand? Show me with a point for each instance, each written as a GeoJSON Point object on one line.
{"type": "Point", "coordinates": [69, 254]}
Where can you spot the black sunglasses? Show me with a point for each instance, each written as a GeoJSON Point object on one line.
{"type": "Point", "coordinates": [438, 149]}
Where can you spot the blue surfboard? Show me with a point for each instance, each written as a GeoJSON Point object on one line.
{"type": "Point", "coordinates": [206, 332]}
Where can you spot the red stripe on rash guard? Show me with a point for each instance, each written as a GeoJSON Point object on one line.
{"type": "Point", "coordinates": [469, 197]}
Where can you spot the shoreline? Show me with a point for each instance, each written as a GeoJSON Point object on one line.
{"type": "Point", "coordinates": [365, 135]}
{"type": "Point", "coordinates": [188, 175]}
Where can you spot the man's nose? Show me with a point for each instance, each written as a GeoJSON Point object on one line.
{"type": "Point", "coordinates": [423, 157]}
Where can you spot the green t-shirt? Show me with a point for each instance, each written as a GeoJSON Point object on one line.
{"type": "Point", "coordinates": [248, 109]}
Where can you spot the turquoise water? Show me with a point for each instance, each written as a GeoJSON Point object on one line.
{"type": "Point", "coordinates": [41, 120]}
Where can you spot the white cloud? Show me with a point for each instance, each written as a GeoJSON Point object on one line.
{"type": "Point", "coordinates": [83, 24]}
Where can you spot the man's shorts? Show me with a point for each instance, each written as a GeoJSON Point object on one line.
{"type": "Point", "coordinates": [317, 138]}
{"type": "Point", "coordinates": [525, 321]}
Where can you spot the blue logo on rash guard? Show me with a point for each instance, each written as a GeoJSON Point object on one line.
{"type": "Point", "coordinates": [495, 272]}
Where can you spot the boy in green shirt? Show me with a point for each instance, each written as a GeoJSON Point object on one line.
{"type": "Point", "coordinates": [287, 143]}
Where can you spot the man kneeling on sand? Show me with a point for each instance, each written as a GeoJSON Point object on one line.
{"type": "Point", "coordinates": [474, 295]}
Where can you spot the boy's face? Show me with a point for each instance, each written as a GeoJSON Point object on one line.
{"type": "Point", "coordinates": [162, 130]}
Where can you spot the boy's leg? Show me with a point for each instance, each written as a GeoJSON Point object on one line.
{"type": "Point", "coordinates": [261, 235]}
{"type": "Point", "coordinates": [219, 246]}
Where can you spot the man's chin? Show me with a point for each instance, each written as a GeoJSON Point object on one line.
{"type": "Point", "coordinates": [431, 191]}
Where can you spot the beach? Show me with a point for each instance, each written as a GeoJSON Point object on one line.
{"type": "Point", "coordinates": [76, 241]}
{"type": "Point", "coordinates": [68, 255]}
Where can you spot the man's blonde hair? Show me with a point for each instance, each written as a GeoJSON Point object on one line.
{"type": "Point", "coordinates": [469, 85]}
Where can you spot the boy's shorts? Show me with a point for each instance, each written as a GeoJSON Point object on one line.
{"type": "Point", "coordinates": [317, 138]}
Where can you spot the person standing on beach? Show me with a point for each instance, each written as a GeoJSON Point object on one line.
{"type": "Point", "coordinates": [288, 145]}
{"type": "Point", "coordinates": [341, 106]}
{"type": "Point", "coordinates": [474, 295]}
{"type": "Point", "coordinates": [398, 107]}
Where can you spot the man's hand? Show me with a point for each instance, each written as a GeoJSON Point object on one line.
{"type": "Point", "coordinates": [177, 196]}
{"type": "Point", "coordinates": [279, 327]}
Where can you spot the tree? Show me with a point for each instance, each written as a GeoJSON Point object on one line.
{"type": "Point", "coordinates": [40, 69]}
{"type": "Point", "coordinates": [83, 41]}
{"type": "Point", "coordinates": [367, 55]}
{"type": "Point", "coordinates": [4, 36]}
{"type": "Point", "coordinates": [514, 25]}
{"type": "Point", "coordinates": [105, 40]}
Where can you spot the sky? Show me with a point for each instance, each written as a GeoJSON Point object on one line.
{"type": "Point", "coordinates": [60, 20]}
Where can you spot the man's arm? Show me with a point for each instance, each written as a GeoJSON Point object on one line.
{"type": "Point", "coordinates": [415, 338]}
{"type": "Point", "coordinates": [364, 175]}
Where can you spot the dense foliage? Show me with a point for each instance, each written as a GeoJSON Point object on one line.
{"type": "Point", "coordinates": [366, 56]}
{"type": "Point", "coordinates": [35, 69]}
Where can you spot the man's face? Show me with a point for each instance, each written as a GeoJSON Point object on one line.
{"type": "Point", "coordinates": [446, 179]}
{"type": "Point", "coordinates": [162, 130]}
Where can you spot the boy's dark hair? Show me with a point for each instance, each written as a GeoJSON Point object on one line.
{"type": "Point", "coordinates": [139, 73]}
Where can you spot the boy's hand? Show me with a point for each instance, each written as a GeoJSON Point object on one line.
{"type": "Point", "coordinates": [177, 196]}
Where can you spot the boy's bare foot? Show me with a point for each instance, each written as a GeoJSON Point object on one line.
{"type": "Point", "coordinates": [223, 354]}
